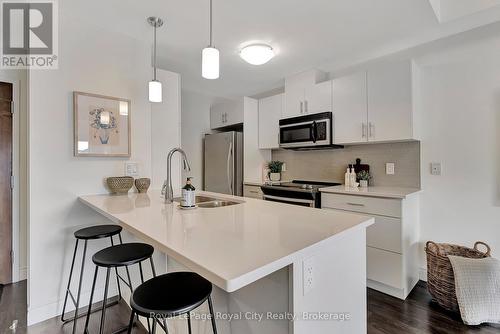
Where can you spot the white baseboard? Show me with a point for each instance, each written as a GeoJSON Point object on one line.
{"type": "Point", "coordinates": [422, 273]}
{"type": "Point", "coordinates": [23, 273]}
{"type": "Point", "coordinates": [49, 311]}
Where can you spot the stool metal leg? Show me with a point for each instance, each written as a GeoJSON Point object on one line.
{"type": "Point", "coordinates": [126, 267]}
{"type": "Point", "coordinates": [189, 322]}
{"type": "Point", "coordinates": [116, 272]}
{"type": "Point", "coordinates": [131, 322]}
{"type": "Point", "coordinates": [86, 329]}
{"type": "Point", "coordinates": [103, 315]}
{"type": "Point", "coordinates": [154, 326]}
{"type": "Point", "coordinates": [69, 281]}
{"type": "Point", "coordinates": [152, 266]}
{"type": "Point", "coordinates": [80, 286]}
{"type": "Point", "coordinates": [210, 306]}
{"type": "Point", "coordinates": [165, 325]}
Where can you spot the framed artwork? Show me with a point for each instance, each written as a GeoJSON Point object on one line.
{"type": "Point", "coordinates": [101, 125]}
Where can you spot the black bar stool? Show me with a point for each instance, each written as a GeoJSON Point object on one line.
{"type": "Point", "coordinates": [86, 234]}
{"type": "Point", "coordinates": [171, 295]}
{"type": "Point", "coordinates": [123, 255]}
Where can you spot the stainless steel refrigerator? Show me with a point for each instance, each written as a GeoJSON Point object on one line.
{"type": "Point", "coordinates": [224, 163]}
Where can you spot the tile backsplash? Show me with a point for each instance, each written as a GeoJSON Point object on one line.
{"type": "Point", "coordinates": [330, 165]}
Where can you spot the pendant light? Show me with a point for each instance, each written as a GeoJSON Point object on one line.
{"type": "Point", "coordinates": [210, 57]}
{"type": "Point", "coordinates": [155, 88]}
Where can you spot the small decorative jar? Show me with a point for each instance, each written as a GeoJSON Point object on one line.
{"type": "Point", "coordinates": [142, 184]}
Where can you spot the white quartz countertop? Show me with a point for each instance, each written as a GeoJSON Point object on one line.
{"type": "Point", "coordinates": [230, 246]}
{"type": "Point", "coordinates": [388, 192]}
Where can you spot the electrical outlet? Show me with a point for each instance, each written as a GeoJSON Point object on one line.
{"type": "Point", "coordinates": [390, 168]}
{"type": "Point", "coordinates": [435, 168]}
{"type": "Point", "coordinates": [308, 275]}
{"type": "Point", "coordinates": [131, 169]}
{"type": "Point", "coordinates": [283, 168]}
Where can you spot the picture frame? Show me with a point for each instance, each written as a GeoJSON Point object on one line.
{"type": "Point", "coordinates": [101, 125]}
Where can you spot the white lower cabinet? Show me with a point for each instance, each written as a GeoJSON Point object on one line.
{"type": "Point", "coordinates": [391, 242]}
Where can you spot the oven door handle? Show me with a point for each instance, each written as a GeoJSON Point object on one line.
{"type": "Point", "coordinates": [290, 200]}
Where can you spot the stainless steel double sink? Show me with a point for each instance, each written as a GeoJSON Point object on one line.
{"type": "Point", "coordinates": [210, 202]}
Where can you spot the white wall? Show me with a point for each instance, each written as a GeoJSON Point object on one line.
{"type": "Point", "coordinates": [460, 115]}
{"type": "Point", "coordinates": [195, 124]}
{"type": "Point", "coordinates": [96, 61]}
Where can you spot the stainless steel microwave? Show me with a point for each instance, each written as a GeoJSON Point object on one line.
{"type": "Point", "coordinates": [307, 132]}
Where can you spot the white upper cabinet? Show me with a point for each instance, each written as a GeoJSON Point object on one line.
{"type": "Point", "coordinates": [270, 110]}
{"type": "Point", "coordinates": [318, 98]}
{"type": "Point", "coordinates": [303, 95]}
{"type": "Point", "coordinates": [226, 114]}
{"type": "Point", "coordinates": [390, 102]}
{"type": "Point", "coordinates": [375, 106]}
{"type": "Point", "coordinates": [350, 108]}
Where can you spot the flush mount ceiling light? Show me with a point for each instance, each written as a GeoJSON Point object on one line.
{"type": "Point", "coordinates": [155, 88]}
{"type": "Point", "coordinates": [210, 56]}
{"type": "Point", "coordinates": [257, 54]}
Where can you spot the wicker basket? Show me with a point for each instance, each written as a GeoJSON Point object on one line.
{"type": "Point", "coordinates": [440, 278]}
{"type": "Point", "coordinates": [120, 184]}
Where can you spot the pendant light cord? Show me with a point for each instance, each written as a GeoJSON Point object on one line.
{"type": "Point", "coordinates": [154, 53]}
{"type": "Point", "coordinates": [211, 45]}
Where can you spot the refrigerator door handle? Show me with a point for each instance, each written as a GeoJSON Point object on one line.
{"type": "Point", "coordinates": [228, 167]}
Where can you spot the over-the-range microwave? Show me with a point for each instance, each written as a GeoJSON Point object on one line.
{"type": "Point", "coordinates": [308, 132]}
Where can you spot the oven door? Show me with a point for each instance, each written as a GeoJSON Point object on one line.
{"type": "Point", "coordinates": [296, 201]}
{"type": "Point", "coordinates": [307, 133]}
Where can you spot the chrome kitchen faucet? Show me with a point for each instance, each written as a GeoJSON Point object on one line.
{"type": "Point", "coordinates": [167, 190]}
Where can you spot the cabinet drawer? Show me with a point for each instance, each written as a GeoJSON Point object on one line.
{"type": "Point", "coordinates": [385, 234]}
{"type": "Point", "coordinates": [252, 192]}
{"type": "Point", "coordinates": [384, 267]}
{"type": "Point", "coordinates": [371, 205]}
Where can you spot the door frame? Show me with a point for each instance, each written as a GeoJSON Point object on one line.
{"type": "Point", "coordinates": [16, 270]}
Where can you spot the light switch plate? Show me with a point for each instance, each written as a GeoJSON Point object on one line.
{"type": "Point", "coordinates": [390, 168]}
{"type": "Point", "coordinates": [435, 168]}
{"type": "Point", "coordinates": [131, 169]}
{"type": "Point", "coordinates": [283, 168]}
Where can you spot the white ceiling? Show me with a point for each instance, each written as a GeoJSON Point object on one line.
{"type": "Point", "coordinates": [326, 34]}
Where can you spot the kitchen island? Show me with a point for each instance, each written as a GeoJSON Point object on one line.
{"type": "Point", "coordinates": [272, 262]}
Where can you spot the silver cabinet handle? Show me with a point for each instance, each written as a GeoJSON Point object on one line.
{"type": "Point", "coordinates": [306, 107]}
{"type": "Point", "coordinates": [228, 168]}
{"type": "Point", "coordinates": [363, 130]}
{"type": "Point", "coordinates": [371, 129]}
{"type": "Point", "coordinates": [301, 107]}
{"type": "Point", "coordinates": [355, 204]}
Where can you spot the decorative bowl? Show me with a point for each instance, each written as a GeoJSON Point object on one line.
{"type": "Point", "coordinates": [142, 184]}
{"type": "Point", "coordinates": [120, 184]}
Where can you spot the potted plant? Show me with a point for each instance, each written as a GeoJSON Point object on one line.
{"type": "Point", "coordinates": [363, 177]}
{"type": "Point", "coordinates": [275, 170]}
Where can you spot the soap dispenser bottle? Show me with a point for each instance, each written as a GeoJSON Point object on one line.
{"type": "Point", "coordinates": [188, 195]}
{"type": "Point", "coordinates": [352, 178]}
{"type": "Point", "coordinates": [347, 177]}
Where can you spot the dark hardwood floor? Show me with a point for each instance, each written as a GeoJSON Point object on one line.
{"type": "Point", "coordinates": [418, 314]}
{"type": "Point", "coordinates": [386, 315]}
{"type": "Point", "coordinates": [13, 306]}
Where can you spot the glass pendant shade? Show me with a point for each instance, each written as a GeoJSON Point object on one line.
{"type": "Point", "coordinates": [155, 91]}
{"type": "Point", "coordinates": [210, 63]}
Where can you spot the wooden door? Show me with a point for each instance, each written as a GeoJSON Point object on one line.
{"type": "Point", "coordinates": [5, 183]}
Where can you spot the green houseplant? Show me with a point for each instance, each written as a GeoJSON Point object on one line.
{"type": "Point", "coordinates": [275, 168]}
{"type": "Point", "coordinates": [363, 177]}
